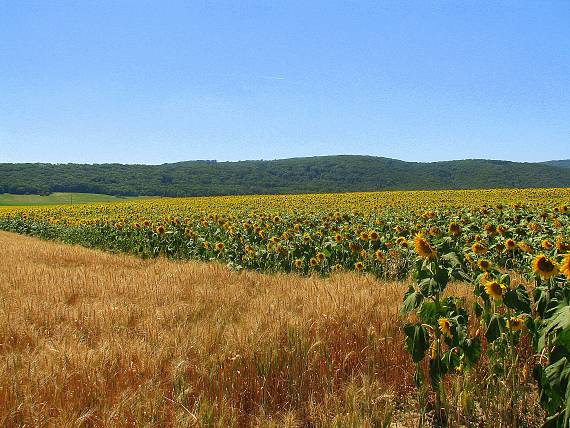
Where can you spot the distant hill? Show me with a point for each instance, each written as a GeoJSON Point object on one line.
{"type": "Point", "coordinates": [559, 163]}
{"type": "Point", "coordinates": [297, 175]}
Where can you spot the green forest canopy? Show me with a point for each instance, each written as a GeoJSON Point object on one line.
{"type": "Point", "coordinates": [297, 175]}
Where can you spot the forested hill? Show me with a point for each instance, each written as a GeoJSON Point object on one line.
{"type": "Point", "coordinates": [298, 175]}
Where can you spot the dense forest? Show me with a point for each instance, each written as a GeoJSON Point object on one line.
{"type": "Point", "coordinates": [298, 175]}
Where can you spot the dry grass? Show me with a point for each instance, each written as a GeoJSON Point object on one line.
{"type": "Point", "coordinates": [89, 338]}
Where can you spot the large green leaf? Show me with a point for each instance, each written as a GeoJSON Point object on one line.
{"type": "Point", "coordinates": [518, 299]}
{"type": "Point", "coordinates": [472, 350]}
{"type": "Point", "coordinates": [452, 259]}
{"type": "Point", "coordinates": [412, 299]}
{"type": "Point", "coordinates": [493, 329]}
{"type": "Point", "coordinates": [428, 312]}
{"type": "Point", "coordinates": [417, 341]}
{"type": "Point", "coordinates": [560, 319]}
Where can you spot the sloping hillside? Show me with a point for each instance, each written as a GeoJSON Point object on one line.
{"type": "Point", "coordinates": [297, 175]}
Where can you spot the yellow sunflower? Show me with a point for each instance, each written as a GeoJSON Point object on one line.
{"type": "Point", "coordinates": [298, 263]}
{"type": "Point", "coordinates": [434, 231]}
{"type": "Point", "coordinates": [516, 323]}
{"type": "Point", "coordinates": [561, 245]}
{"type": "Point", "coordinates": [423, 247]}
{"type": "Point", "coordinates": [445, 326]}
{"type": "Point", "coordinates": [220, 246]}
{"type": "Point", "coordinates": [379, 255]}
{"type": "Point", "coordinates": [359, 265]}
{"type": "Point", "coordinates": [494, 289]}
{"type": "Point", "coordinates": [525, 247]}
{"type": "Point", "coordinates": [510, 244]}
{"type": "Point", "coordinates": [401, 240]}
{"type": "Point", "coordinates": [478, 248]}
{"type": "Point", "coordinates": [354, 247]}
{"type": "Point", "coordinates": [565, 266]}
{"type": "Point", "coordinates": [454, 228]}
{"type": "Point", "coordinates": [545, 267]}
{"type": "Point", "coordinates": [313, 262]}
{"type": "Point", "coordinates": [320, 256]}
{"type": "Point", "coordinates": [484, 264]}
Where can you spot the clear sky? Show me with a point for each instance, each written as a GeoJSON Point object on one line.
{"type": "Point", "coordinates": [136, 81]}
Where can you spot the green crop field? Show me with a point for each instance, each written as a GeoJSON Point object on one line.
{"type": "Point", "coordinates": [57, 198]}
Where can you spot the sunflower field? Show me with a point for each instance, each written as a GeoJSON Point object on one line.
{"type": "Point", "coordinates": [511, 246]}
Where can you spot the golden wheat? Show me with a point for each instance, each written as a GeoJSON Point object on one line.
{"type": "Point", "coordinates": [89, 338]}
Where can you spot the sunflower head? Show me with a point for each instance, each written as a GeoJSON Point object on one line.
{"type": "Point", "coordinates": [220, 246]}
{"type": "Point", "coordinates": [484, 265]}
{"type": "Point", "coordinates": [364, 236]}
{"type": "Point", "coordinates": [424, 249]}
{"type": "Point", "coordinates": [338, 237]}
{"type": "Point", "coordinates": [160, 230]}
{"type": "Point", "coordinates": [434, 231]}
{"type": "Point", "coordinates": [298, 263]}
{"type": "Point", "coordinates": [546, 244]}
{"type": "Point", "coordinates": [320, 256]}
{"type": "Point", "coordinates": [523, 246]}
{"type": "Point", "coordinates": [401, 241]}
{"type": "Point", "coordinates": [534, 227]}
{"type": "Point", "coordinates": [379, 255]}
{"type": "Point", "coordinates": [354, 247]}
{"type": "Point", "coordinates": [374, 235]}
{"type": "Point", "coordinates": [494, 289]}
{"type": "Point", "coordinates": [445, 326]}
{"type": "Point", "coordinates": [454, 228]}
{"type": "Point", "coordinates": [510, 244]}
{"type": "Point", "coordinates": [478, 248]}
{"type": "Point", "coordinates": [561, 245]}
{"type": "Point", "coordinates": [313, 261]}
{"type": "Point", "coordinates": [545, 267]}
{"type": "Point", "coordinates": [565, 266]}
{"type": "Point", "coordinates": [515, 323]}
{"type": "Point", "coordinates": [359, 265]}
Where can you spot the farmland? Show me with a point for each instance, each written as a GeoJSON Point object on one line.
{"type": "Point", "coordinates": [443, 307]}
{"type": "Point", "coordinates": [58, 198]}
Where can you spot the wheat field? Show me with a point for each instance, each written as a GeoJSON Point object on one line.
{"type": "Point", "coordinates": [94, 339]}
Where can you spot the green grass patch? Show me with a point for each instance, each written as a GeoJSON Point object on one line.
{"type": "Point", "coordinates": [57, 198]}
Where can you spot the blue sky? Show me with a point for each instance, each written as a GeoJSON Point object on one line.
{"type": "Point", "coordinates": [165, 81]}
